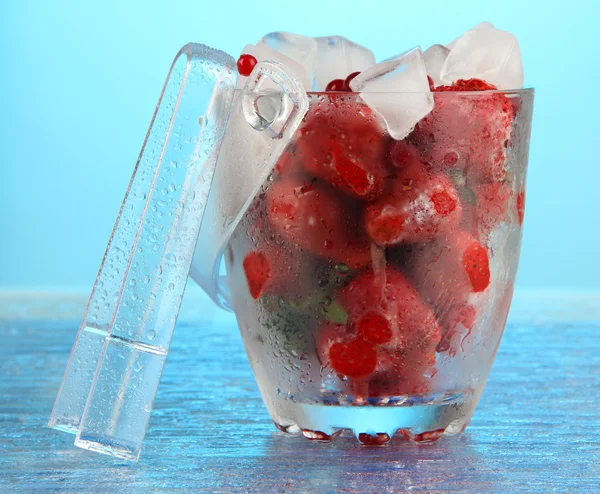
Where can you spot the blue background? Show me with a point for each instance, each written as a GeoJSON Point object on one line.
{"type": "Point", "coordinates": [80, 80]}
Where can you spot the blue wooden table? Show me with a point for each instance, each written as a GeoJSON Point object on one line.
{"type": "Point", "coordinates": [537, 427]}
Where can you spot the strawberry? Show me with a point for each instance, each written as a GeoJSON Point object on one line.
{"type": "Point", "coordinates": [345, 352]}
{"type": "Point", "coordinates": [342, 142]}
{"type": "Point", "coordinates": [491, 207]}
{"type": "Point", "coordinates": [449, 272]}
{"type": "Point", "coordinates": [418, 206]}
{"type": "Point", "coordinates": [402, 154]}
{"type": "Point", "coordinates": [310, 215]}
{"type": "Point", "coordinates": [288, 164]}
{"type": "Point", "coordinates": [390, 293]}
{"type": "Point", "coordinates": [467, 85]}
{"type": "Point", "coordinates": [453, 323]}
{"type": "Point", "coordinates": [468, 132]}
{"type": "Point", "coordinates": [258, 272]}
{"type": "Point", "coordinates": [391, 315]}
{"type": "Point", "coordinates": [356, 358]}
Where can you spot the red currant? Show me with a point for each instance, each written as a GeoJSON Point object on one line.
{"type": "Point", "coordinates": [335, 85]}
{"type": "Point", "coordinates": [245, 64]}
{"type": "Point", "coordinates": [349, 80]}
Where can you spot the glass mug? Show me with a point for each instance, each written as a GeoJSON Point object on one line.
{"type": "Point", "coordinates": [372, 278]}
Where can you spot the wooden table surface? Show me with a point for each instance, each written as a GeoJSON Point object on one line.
{"type": "Point", "coordinates": [537, 427]}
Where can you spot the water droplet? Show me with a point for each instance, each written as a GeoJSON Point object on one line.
{"type": "Point", "coordinates": [171, 286]}
{"type": "Point", "coordinates": [173, 164]}
{"type": "Point", "coordinates": [146, 279]}
{"type": "Point", "coordinates": [172, 187]}
{"type": "Point", "coordinates": [151, 335]}
{"type": "Point", "coordinates": [132, 282]}
{"type": "Point", "coordinates": [164, 192]}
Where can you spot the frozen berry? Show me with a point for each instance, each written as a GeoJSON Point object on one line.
{"type": "Point", "coordinates": [335, 85]}
{"type": "Point", "coordinates": [403, 154]}
{"type": "Point", "coordinates": [450, 270]}
{"type": "Point", "coordinates": [391, 294]}
{"type": "Point", "coordinates": [418, 206]}
{"type": "Point", "coordinates": [476, 264]}
{"type": "Point", "coordinates": [342, 142]}
{"type": "Point", "coordinates": [355, 359]}
{"type": "Point", "coordinates": [469, 132]}
{"type": "Point", "coordinates": [348, 80]}
{"type": "Point", "coordinates": [245, 64]}
{"type": "Point", "coordinates": [374, 328]}
{"type": "Point", "coordinates": [467, 85]}
{"type": "Point", "coordinates": [310, 215]}
{"type": "Point", "coordinates": [258, 272]}
{"type": "Point", "coordinates": [490, 208]}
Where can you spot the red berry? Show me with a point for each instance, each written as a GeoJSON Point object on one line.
{"type": "Point", "coordinates": [245, 64]}
{"type": "Point", "coordinates": [355, 359]}
{"type": "Point", "coordinates": [454, 322]}
{"type": "Point", "coordinates": [468, 132]}
{"type": "Point", "coordinates": [289, 165]}
{"type": "Point", "coordinates": [491, 207]}
{"type": "Point", "coordinates": [403, 154]}
{"type": "Point", "coordinates": [342, 142]}
{"type": "Point", "coordinates": [335, 85]}
{"type": "Point", "coordinates": [392, 295]}
{"type": "Point", "coordinates": [327, 335]}
{"type": "Point", "coordinates": [258, 272]}
{"type": "Point", "coordinates": [477, 266]}
{"type": "Point", "coordinates": [418, 206]}
{"type": "Point", "coordinates": [450, 270]}
{"type": "Point", "coordinates": [309, 215]}
{"type": "Point", "coordinates": [375, 328]}
{"type": "Point", "coordinates": [521, 206]}
{"type": "Point", "coordinates": [349, 80]}
{"type": "Point", "coordinates": [467, 85]}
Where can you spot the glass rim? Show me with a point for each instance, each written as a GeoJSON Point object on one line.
{"type": "Point", "coordinates": [525, 90]}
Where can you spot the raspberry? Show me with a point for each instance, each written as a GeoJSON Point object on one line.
{"type": "Point", "coordinates": [258, 272]}
{"type": "Point", "coordinates": [245, 64]}
{"type": "Point", "coordinates": [342, 142]}
{"type": "Point", "coordinates": [418, 206]}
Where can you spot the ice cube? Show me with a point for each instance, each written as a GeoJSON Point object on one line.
{"type": "Point", "coordinates": [264, 52]}
{"type": "Point", "coordinates": [434, 58]}
{"type": "Point", "coordinates": [485, 53]}
{"type": "Point", "coordinates": [397, 89]}
{"type": "Point", "coordinates": [300, 48]}
{"type": "Point", "coordinates": [481, 25]}
{"type": "Point", "coordinates": [338, 57]}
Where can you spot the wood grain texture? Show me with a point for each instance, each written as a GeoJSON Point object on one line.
{"type": "Point", "coordinates": [537, 428]}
